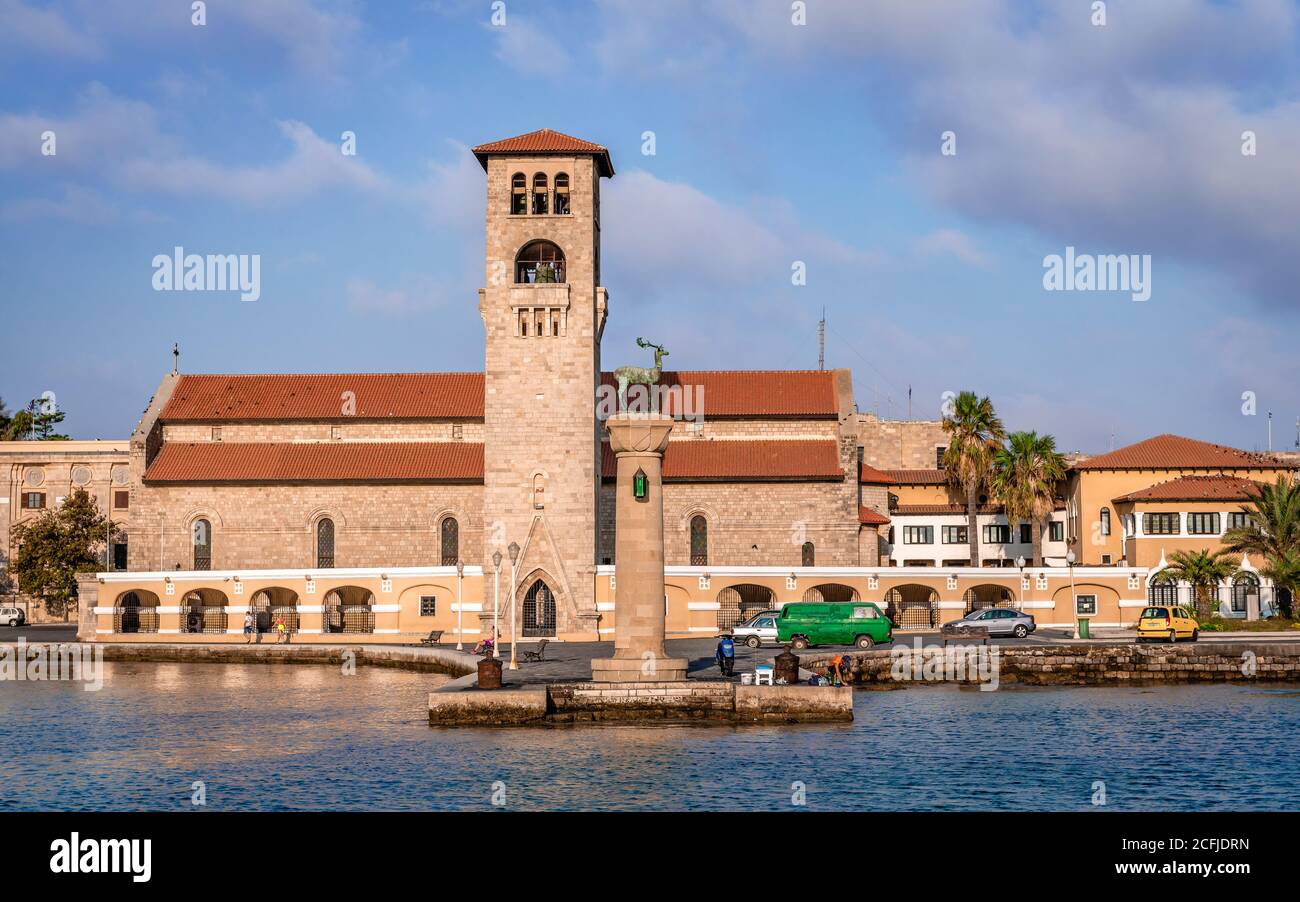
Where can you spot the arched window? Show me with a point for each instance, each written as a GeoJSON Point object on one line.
{"type": "Point", "coordinates": [808, 554]}
{"type": "Point", "coordinates": [539, 193]}
{"type": "Point", "coordinates": [202, 531]}
{"type": "Point", "coordinates": [562, 194]}
{"type": "Point", "coordinates": [1163, 590]}
{"type": "Point", "coordinates": [539, 262]}
{"type": "Point", "coordinates": [450, 542]}
{"type": "Point", "coordinates": [699, 541]}
{"type": "Point", "coordinates": [325, 543]}
{"type": "Point", "coordinates": [1105, 521]}
{"type": "Point", "coordinates": [519, 194]}
{"type": "Point", "coordinates": [1244, 587]}
{"type": "Point", "coordinates": [539, 611]}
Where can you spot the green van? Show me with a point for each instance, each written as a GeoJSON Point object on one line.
{"type": "Point", "coordinates": [858, 623]}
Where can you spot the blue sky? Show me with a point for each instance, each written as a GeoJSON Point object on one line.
{"type": "Point", "coordinates": [775, 142]}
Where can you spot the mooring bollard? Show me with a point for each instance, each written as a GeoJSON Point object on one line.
{"type": "Point", "coordinates": [787, 667]}
{"type": "Point", "coordinates": [489, 673]}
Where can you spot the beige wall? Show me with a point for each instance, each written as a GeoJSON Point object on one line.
{"type": "Point", "coordinates": [899, 444]}
{"type": "Point", "coordinates": [351, 430]}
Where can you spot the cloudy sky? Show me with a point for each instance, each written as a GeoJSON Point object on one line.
{"type": "Point", "coordinates": [774, 143]}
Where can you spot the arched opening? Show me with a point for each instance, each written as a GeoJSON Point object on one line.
{"type": "Point", "coordinates": [450, 541]}
{"type": "Point", "coordinates": [519, 194]}
{"type": "Point", "coordinates": [988, 596]}
{"type": "Point", "coordinates": [269, 606]}
{"type": "Point", "coordinates": [136, 612]}
{"type": "Point", "coordinates": [203, 611]}
{"type": "Point", "coordinates": [562, 194]}
{"type": "Point", "coordinates": [348, 609]}
{"type": "Point", "coordinates": [738, 603]}
{"type": "Point", "coordinates": [539, 262]}
{"type": "Point", "coordinates": [808, 555]}
{"type": "Point", "coordinates": [912, 607]}
{"type": "Point", "coordinates": [699, 541]}
{"type": "Point", "coordinates": [202, 541]}
{"type": "Point", "coordinates": [325, 543]}
{"type": "Point", "coordinates": [1245, 588]}
{"type": "Point", "coordinates": [539, 193]}
{"type": "Point", "coordinates": [831, 592]}
{"type": "Point", "coordinates": [1163, 589]}
{"type": "Point", "coordinates": [539, 611]}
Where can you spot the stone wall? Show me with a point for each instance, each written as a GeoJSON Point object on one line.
{"type": "Point", "coordinates": [899, 444]}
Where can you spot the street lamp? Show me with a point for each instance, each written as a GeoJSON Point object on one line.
{"type": "Point", "coordinates": [514, 559]}
{"type": "Point", "coordinates": [1020, 564]}
{"type": "Point", "coordinates": [1069, 561]}
{"type": "Point", "coordinates": [460, 605]}
{"type": "Point", "coordinates": [496, 596]}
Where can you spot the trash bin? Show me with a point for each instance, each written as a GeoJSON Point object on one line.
{"type": "Point", "coordinates": [1083, 628]}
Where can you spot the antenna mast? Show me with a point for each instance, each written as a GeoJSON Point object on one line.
{"type": "Point", "coordinates": [821, 341]}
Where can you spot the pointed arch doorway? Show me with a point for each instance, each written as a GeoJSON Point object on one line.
{"type": "Point", "coordinates": [538, 611]}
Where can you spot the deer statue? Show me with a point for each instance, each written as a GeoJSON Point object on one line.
{"type": "Point", "coordinates": [639, 375]}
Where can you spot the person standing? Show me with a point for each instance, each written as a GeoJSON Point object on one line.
{"type": "Point", "coordinates": [725, 656]}
{"type": "Point", "coordinates": [249, 627]}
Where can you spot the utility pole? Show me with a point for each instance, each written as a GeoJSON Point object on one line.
{"type": "Point", "coordinates": [821, 342]}
{"type": "Point", "coordinates": [1270, 430]}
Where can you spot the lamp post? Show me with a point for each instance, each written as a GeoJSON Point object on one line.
{"type": "Point", "coordinates": [1020, 564]}
{"type": "Point", "coordinates": [514, 560]}
{"type": "Point", "coordinates": [496, 596]}
{"type": "Point", "coordinates": [460, 605]}
{"type": "Point", "coordinates": [1074, 599]}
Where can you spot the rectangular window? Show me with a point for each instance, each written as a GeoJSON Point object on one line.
{"type": "Point", "coordinates": [1056, 531]}
{"type": "Point", "coordinates": [1026, 534]}
{"type": "Point", "coordinates": [33, 501]}
{"type": "Point", "coordinates": [954, 535]}
{"type": "Point", "coordinates": [336, 433]}
{"type": "Point", "coordinates": [939, 451]}
{"type": "Point", "coordinates": [1086, 606]}
{"type": "Point", "coordinates": [1105, 558]}
{"type": "Point", "coordinates": [1161, 524]}
{"type": "Point", "coordinates": [121, 500]}
{"type": "Point", "coordinates": [216, 433]}
{"type": "Point", "coordinates": [1203, 524]}
{"type": "Point", "coordinates": [1238, 520]}
{"type": "Point", "coordinates": [918, 535]}
{"type": "Point", "coordinates": [428, 605]}
{"type": "Point", "coordinates": [1105, 521]}
{"type": "Point", "coordinates": [995, 534]}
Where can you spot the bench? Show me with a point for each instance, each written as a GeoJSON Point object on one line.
{"type": "Point", "coordinates": [434, 637]}
{"type": "Point", "coordinates": [538, 655]}
{"type": "Point", "coordinates": [965, 632]}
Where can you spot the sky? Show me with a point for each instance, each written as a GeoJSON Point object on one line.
{"type": "Point", "coordinates": [917, 161]}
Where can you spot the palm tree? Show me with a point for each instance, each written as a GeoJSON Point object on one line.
{"type": "Point", "coordinates": [1025, 476]}
{"type": "Point", "coordinates": [1284, 571]}
{"type": "Point", "coordinates": [974, 435]}
{"type": "Point", "coordinates": [1204, 570]}
{"type": "Point", "coordinates": [1272, 531]}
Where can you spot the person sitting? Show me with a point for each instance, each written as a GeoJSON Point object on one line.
{"type": "Point", "coordinates": [485, 647]}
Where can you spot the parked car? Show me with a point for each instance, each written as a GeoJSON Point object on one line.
{"type": "Point", "coordinates": [756, 630]}
{"type": "Point", "coordinates": [1000, 621]}
{"type": "Point", "coordinates": [1168, 623]}
{"type": "Point", "coordinates": [803, 624]}
{"type": "Point", "coordinates": [12, 617]}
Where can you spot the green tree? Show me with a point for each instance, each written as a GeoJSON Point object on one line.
{"type": "Point", "coordinates": [974, 436]}
{"type": "Point", "coordinates": [56, 546]}
{"type": "Point", "coordinates": [1284, 570]}
{"type": "Point", "coordinates": [4, 420]}
{"type": "Point", "coordinates": [1272, 532]}
{"type": "Point", "coordinates": [44, 417]}
{"type": "Point", "coordinates": [1204, 570]}
{"type": "Point", "coordinates": [1024, 479]}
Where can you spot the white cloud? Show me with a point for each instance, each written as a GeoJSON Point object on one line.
{"type": "Point", "coordinates": [73, 204]}
{"type": "Point", "coordinates": [531, 47]}
{"type": "Point", "coordinates": [43, 31]}
{"type": "Point", "coordinates": [415, 294]}
{"type": "Point", "coordinates": [952, 243]}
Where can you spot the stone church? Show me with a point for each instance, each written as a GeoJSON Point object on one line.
{"type": "Point", "coordinates": [298, 472]}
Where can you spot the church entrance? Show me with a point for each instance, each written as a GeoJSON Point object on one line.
{"type": "Point", "coordinates": [539, 611]}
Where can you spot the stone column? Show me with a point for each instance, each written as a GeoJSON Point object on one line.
{"type": "Point", "coordinates": [638, 442]}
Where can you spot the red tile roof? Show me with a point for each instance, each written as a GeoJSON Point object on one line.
{"type": "Point", "coordinates": [869, 475]}
{"type": "Point", "coordinates": [1173, 452]}
{"type": "Point", "coordinates": [917, 477]}
{"type": "Point", "coordinates": [743, 461]}
{"type": "Point", "coordinates": [751, 393]}
{"type": "Point", "coordinates": [317, 462]}
{"type": "Point", "coordinates": [868, 517]}
{"type": "Point", "coordinates": [1197, 488]}
{"type": "Point", "coordinates": [377, 396]}
{"type": "Point", "coordinates": [545, 141]}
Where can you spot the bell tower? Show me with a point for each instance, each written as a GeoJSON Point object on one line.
{"type": "Point", "coordinates": [543, 310]}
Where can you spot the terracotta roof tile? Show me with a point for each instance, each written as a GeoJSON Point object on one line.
{"type": "Point", "coordinates": [751, 393]}
{"type": "Point", "coordinates": [378, 396]}
{"type": "Point", "coordinates": [743, 461]}
{"type": "Point", "coordinates": [317, 462]}
{"type": "Point", "coordinates": [1197, 488]}
{"type": "Point", "coordinates": [545, 141]}
{"type": "Point", "coordinates": [917, 477]}
{"type": "Point", "coordinates": [905, 510]}
{"type": "Point", "coordinates": [869, 517]}
{"type": "Point", "coordinates": [1175, 452]}
{"type": "Point", "coordinates": [869, 475]}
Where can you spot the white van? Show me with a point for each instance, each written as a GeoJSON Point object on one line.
{"type": "Point", "coordinates": [12, 617]}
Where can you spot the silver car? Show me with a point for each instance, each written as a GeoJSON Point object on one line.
{"type": "Point", "coordinates": [756, 630]}
{"type": "Point", "coordinates": [1000, 621]}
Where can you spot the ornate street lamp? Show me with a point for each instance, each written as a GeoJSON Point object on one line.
{"type": "Point", "coordinates": [514, 585]}
{"type": "Point", "coordinates": [460, 605]}
{"type": "Point", "coordinates": [496, 596]}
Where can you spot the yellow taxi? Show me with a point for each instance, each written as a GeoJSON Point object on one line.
{"type": "Point", "coordinates": [1169, 623]}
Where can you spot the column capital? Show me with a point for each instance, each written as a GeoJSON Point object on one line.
{"type": "Point", "coordinates": [639, 433]}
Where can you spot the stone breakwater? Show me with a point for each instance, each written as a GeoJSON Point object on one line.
{"type": "Point", "coordinates": [1074, 665]}
{"type": "Point", "coordinates": [425, 660]}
